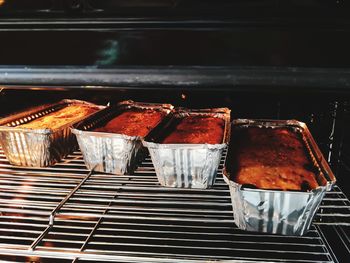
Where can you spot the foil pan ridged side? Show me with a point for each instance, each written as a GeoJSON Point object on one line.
{"type": "Point", "coordinates": [185, 166]}
{"type": "Point", "coordinates": [188, 165]}
{"type": "Point", "coordinates": [37, 147]}
{"type": "Point", "coordinates": [112, 154]}
{"type": "Point", "coordinates": [28, 149]}
{"type": "Point", "coordinates": [108, 152]}
{"type": "Point", "coordinates": [273, 211]}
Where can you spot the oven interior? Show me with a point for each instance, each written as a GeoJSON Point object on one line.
{"type": "Point", "coordinates": [129, 218]}
{"type": "Point", "coordinates": [263, 59]}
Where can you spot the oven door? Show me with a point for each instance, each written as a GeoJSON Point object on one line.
{"type": "Point", "coordinates": [277, 69]}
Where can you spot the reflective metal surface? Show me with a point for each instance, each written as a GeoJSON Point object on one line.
{"type": "Point", "coordinates": [111, 152]}
{"type": "Point", "coordinates": [273, 211]}
{"type": "Point", "coordinates": [37, 147]}
{"type": "Point", "coordinates": [188, 165]}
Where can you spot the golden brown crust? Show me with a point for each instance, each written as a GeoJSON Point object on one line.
{"type": "Point", "coordinates": [59, 118]}
{"type": "Point", "coordinates": [272, 159]}
{"type": "Point", "coordinates": [134, 122]}
{"type": "Point", "coordinates": [197, 130]}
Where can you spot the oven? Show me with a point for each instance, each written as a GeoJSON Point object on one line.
{"type": "Point", "coordinates": [261, 59]}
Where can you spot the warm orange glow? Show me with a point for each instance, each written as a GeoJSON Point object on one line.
{"type": "Point", "coordinates": [76, 217]}
{"type": "Point", "coordinates": [2, 2]}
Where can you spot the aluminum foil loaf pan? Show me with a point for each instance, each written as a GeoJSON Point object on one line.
{"type": "Point", "coordinates": [278, 211]}
{"type": "Point", "coordinates": [110, 152]}
{"type": "Point", "coordinates": [187, 165]}
{"type": "Point", "coordinates": [38, 147]}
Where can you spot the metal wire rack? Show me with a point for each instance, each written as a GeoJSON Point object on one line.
{"type": "Point", "coordinates": [70, 214]}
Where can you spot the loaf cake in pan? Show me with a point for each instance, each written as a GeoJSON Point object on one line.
{"type": "Point", "coordinates": [272, 158]}
{"type": "Point", "coordinates": [197, 130]}
{"type": "Point", "coordinates": [277, 176]}
{"type": "Point", "coordinates": [41, 136]}
{"type": "Point", "coordinates": [111, 139]}
{"type": "Point", "coordinates": [186, 152]}
{"type": "Point", "coordinates": [67, 115]}
{"type": "Point", "coordinates": [133, 122]}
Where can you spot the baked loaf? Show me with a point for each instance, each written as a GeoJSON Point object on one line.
{"type": "Point", "coordinates": [59, 118]}
{"type": "Point", "coordinates": [275, 158]}
{"type": "Point", "coordinates": [197, 130]}
{"type": "Point", "coordinates": [133, 122]}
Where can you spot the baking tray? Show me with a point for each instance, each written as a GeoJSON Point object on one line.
{"type": "Point", "coordinates": [277, 211]}
{"type": "Point", "coordinates": [111, 152]}
{"type": "Point", "coordinates": [187, 165]}
{"type": "Point", "coordinates": [37, 147]}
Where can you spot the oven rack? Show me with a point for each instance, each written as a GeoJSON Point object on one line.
{"type": "Point", "coordinates": [68, 213]}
